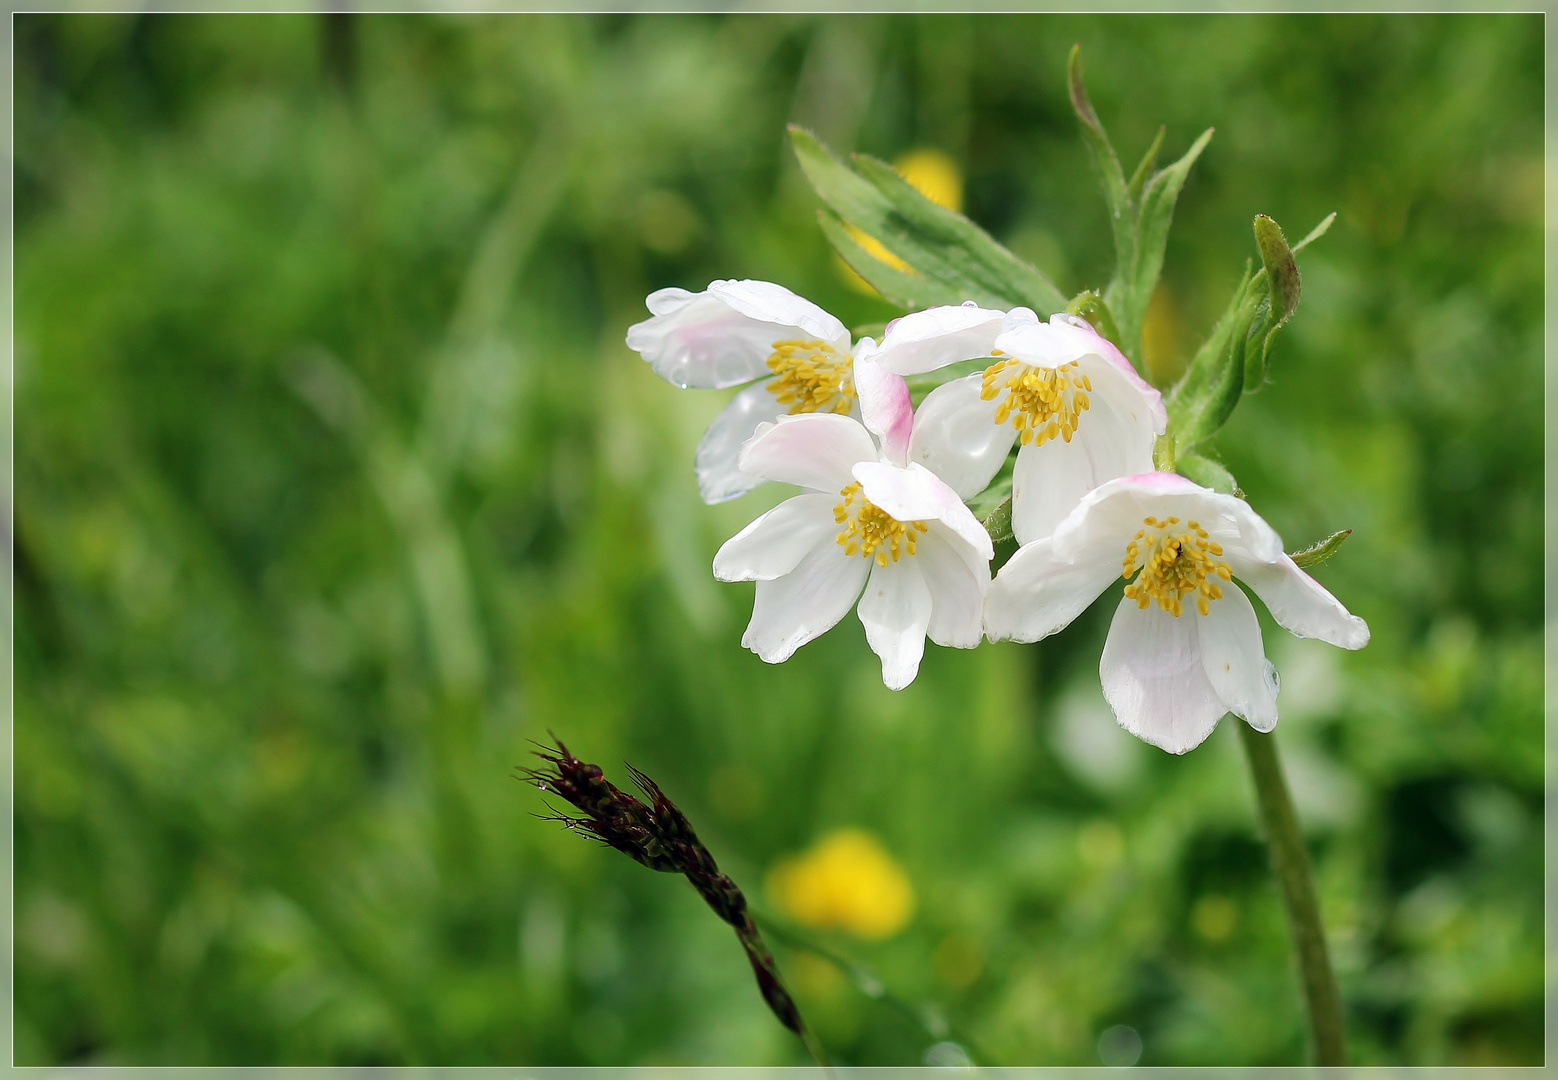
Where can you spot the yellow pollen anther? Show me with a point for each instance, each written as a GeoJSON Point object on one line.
{"type": "Point", "coordinates": [1174, 566]}
{"type": "Point", "coordinates": [871, 531]}
{"type": "Point", "coordinates": [812, 377]}
{"type": "Point", "coordinates": [1042, 403]}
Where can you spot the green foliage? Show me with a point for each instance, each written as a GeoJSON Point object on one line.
{"type": "Point", "coordinates": [950, 258]}
{"type": "Point", "coordinates": [336, 486]}
{"type": "Point", "coordinates": [1140, 211]}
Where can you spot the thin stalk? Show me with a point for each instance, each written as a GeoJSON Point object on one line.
{"type": "Point", "coordinates": [1290, 862]}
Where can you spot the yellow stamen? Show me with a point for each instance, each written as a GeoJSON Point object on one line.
{"type": "Point", "coordinates": [873, 532]}
{"type": "Point", "coordinates": [812, 377]}
{"type": "Point", "coordinates": [1174, 566]}
{"type": "Point", "coordinates": [1042, 403]}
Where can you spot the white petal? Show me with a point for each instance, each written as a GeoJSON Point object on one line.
{"type": "Point", "coordinates": [1036, 593]}
{"type": "Point", "coordinates": [956, 436]}
{"type": "Point", "coordinates": [1154, 680]}
{"type": "Point", "coordinates": [1112, 512]}
{"type": "Point", "coordinates": [791, 610]}
{"type": "Point", "coordinates": [1300, 604]}
{"type": "Point", "coordinates": [884, 403]}
{"type": "Point", "coordinates": [767, 302]}
{"type": "Point", "coordinates": [938, 336]}
{"type": "Point", "coordinates": [1234, 658]}
{"type": "Point", "coordinates": [724, 337]}
{"type": "Point", "coordinates": [1113, 439]}
{"type": "Point", "coordinates": [719, 451]}
{"type": "Point", "coordinates": [775, 543]}
{"type": "Point", "coordinates": [917, 494]}
{"type": "Point", "coordinates": [957, 577]}
{"type": "Point", "coordinates": [895, 611]}
{"type": "Point", "coordinates": [813, 450]}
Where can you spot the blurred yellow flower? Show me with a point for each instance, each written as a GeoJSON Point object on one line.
{"type": "Point", "coordinates": [846, 881]}
{"type": "Point", "coordinates": [934, 175]}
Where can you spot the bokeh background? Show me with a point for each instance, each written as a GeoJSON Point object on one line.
{"type": "Point", "coordinates": [335, 485]}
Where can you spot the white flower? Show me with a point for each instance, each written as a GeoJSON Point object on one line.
{"type": "Point", "coordinates": [1082, 413]}
{"type": "Point", "coordinates": [735, 332]}
{"type": "Point", "coordinates": [796, 356]}
{"type": "Point", "coordinates": [870, 520]}
{"type": "Point", "coordinates": [1185, 646]}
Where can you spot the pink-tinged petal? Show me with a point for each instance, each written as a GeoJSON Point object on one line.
{"type": "Point", "coordinates": [956, 436]}
{"type": "Point", "coordinates": [884, 404]}
{"type": "Point", "coordinates": [770, 303]}
{"type": "Point", "coordinates": [1037, 593]}
{"type": "Point", "coordinates": [808, 601]}
{"type": "Point", "coordinates": [938, 336]}
{"type": "Point", "coordinates": [896, 611]}
{"type": "Point", "coordinates": [1050, 480]}
{"type": "Point", "coordinates": [1235, 659]}
{"type": "Point", "coordinates": [719, 451]}
{"type": "Point", "coordinates": [776, 542]}
{"type": "Point", "coordinates": [724, 337]}
{"type": "Point", "coordinates": [1154, 680]}
{"type": "Point", "coordinates": [1300, 604]}
{"type": "Point", "coordinates": [1067, 339]}
{"type": "Point", "coordinates": [916, 494]}
{"type": "Point", "coordinates": [813, 450]}
{"type": "Point", "coordinates": [957, 578]}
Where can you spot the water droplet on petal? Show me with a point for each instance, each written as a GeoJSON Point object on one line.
{"type": "Point", "coordinates": [1273, 680]}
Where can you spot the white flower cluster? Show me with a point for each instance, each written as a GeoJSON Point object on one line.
{"type": "Point", "coordinates": [884, 518]}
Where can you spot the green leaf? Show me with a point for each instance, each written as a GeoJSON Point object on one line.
{"type": "Point", "coordinates": [1315, 233]}
{"type": "Point", "coordinates": [1122, 218]}
{"type": "Point", "coordinates": [898, 286]}
{"type": "Point", "coordinates": [1144, 170]}
{"type": "Point", "coordinates": [1135, 279]}
{"type": "Point", "coordinates": [1318, 553]}
{"type": "Point", "coordinates": [1091, 307]}
{"type": "Point", "coordinates": [1140, 212]}
{"type": "Point", "coordinates": [1210, 388]}
{"type": "Point", "coordinates": [956, 259]}
{"type": "Point", "coordinates": [1207, 473]}
{"type": "Point", "coordinates": [1214, 381]}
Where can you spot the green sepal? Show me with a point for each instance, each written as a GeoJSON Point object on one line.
{"type": "Point", "coordinates": [1283, 289]}
{"type": "Point", "coordinates": [998, 523]}
{"type": "Point", "coordinates": [952, 259]}
{"type": "Point", "coordinates": [1090, 306]}
{"type": "Point", "coordinates": [1207, 473]}
{"type": "Point", "coordinates": [1318, 553]}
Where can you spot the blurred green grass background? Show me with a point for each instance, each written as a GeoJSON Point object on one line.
{"type": "Point", "coordinates": [335, 484]}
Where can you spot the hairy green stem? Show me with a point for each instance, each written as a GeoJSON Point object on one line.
{"type": "Point", "coordinates": [1290, 862]}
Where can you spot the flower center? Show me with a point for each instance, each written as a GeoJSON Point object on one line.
{"type": "Point", "coordinates": [1174, 565]}
{"type": "Point", "coordinates": [812, 377]}
{"type": "Point", "coordinates": [1040, 402]}
{"type": "Point", "coordinates": [871, 531]}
